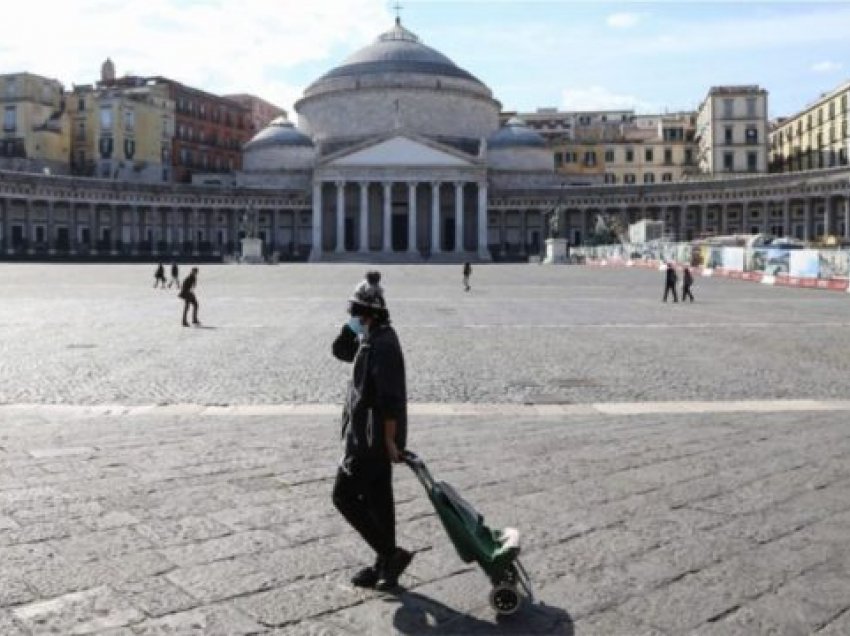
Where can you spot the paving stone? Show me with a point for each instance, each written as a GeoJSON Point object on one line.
{"type": "Point", "coordinates": [170, 532]}
{"type": "Point", "coordinates": [222, 579]}
{"type": "Point", "coordinates": [103, 544]}
{"type": "Point", "coordinates": [216, 620]}
{"type": "Point", "coordinates": [156, 596]}
{"type": "Point", "coordinates": [78, 613]}
{"type": "Point", "coordinates": [10, 626]}
{"type": "Point", "coordinates": [225, 547]}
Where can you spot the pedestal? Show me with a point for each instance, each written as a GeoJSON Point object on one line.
{"type": "Point", "coordinates": [252, 250]}
{"type": "Point", "coordinates": [556, 251]}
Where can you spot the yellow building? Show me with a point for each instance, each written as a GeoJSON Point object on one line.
{"type": "Point", "coordinates": [644, 149]}
{"type": "Point", "coordinates": [122, 129]}
{"type": "Point", "coordinates": [816, 137]}
{"type": "Point", "coordinates": [35, 134]}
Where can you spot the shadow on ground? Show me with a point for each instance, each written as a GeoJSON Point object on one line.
{"type": "Point", "coordinates": [418, 614]}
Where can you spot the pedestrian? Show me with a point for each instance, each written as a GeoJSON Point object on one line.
{"type": "Point", "coordinates": [374, 432]}
{"type": "Point", "coordinates": [687, 282]}
{"type": "Point", "coordinates": [188, 296]}
{"type": "Point", "coordinates": [670, 282]}
{"type": "Point", "coordinates": [159, 276]}
{"type": "Point", "coordinates": [175, 276]}
{"type": "Point", "coordinates": [467, 272]}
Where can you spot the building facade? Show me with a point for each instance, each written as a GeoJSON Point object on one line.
{"type": "Point", "coordinates": [816, 137]}
{"type": "Point", "coordinates": [401, 155]}
{"type": "Point", "coordinates": [732, 127]}
{"type": "Point", "coordinates": [35, 135]}
{"type": "Point", "coordinates": [121, 129]}
{"type": "Point", "coordinates": [261, 112]}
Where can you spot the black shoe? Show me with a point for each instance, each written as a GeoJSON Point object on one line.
{"type": "Point", "coordinates": [185, 324]}
{"type": "Point", "coordinates": [367, 577]}
{"type": "Point", "coordinates": [395, 565]}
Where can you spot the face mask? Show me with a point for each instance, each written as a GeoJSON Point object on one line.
{"type": "Point", "coordinates": [355, 325]}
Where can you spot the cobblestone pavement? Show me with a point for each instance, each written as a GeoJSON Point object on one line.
{"type": "Point", "coordinates": [191, 523]}
{"type": "Point", "coordinates": [100, 334]}
{"type": "Point", "coordinates": [725, 513]}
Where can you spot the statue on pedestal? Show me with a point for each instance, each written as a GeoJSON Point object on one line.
{"type": "Point", "coordinates": [555, 222]}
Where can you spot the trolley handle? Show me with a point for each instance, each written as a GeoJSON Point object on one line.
{"type": "Point", "coordinates": [418, 467]}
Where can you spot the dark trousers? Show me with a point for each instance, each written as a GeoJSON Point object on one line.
{"type": "Point", "coordinates": [190, 300]}
{"type": "Point", "coordinates": [686, 293]}
{"type": "Point", "coordinates": [365, 499]}
{"type": "Point", "coordinates": [670, 287]}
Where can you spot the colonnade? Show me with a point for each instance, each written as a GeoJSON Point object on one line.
{"type": "Point", "coordinates": [429, 221]}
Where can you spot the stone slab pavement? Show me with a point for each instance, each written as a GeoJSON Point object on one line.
{"type": "Point", "coordinates": [148, 522]}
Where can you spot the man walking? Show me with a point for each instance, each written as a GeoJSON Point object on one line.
{"type": "Point", "coordinates": [374, 432]}
{"type": "Point", "coordinates": [467, 272]}
{"type": "Point", "coordinates": [159, 276]}
{"type": "Point", "coordinates": [175, 278]}
{"type": "Point", "coordinates": [188, 296]}
{"type": "Point", "coordinates": [687, 282]}
{"type": "Point", "coordinates": [670, 282]}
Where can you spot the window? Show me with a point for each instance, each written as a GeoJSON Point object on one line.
{"type": "Point", "coordinates": [628, 178]}
{"type": "Point", "coordinates": [751, 107]}
{"type": "Point", "coordinates": [844, 103]}
{"type": "Point", "coordinates": [831, 110]}
{"type": "Point", "coordinates": [609, 156]}
{"type": "Point", "coordinates": [728, 161]}
{"type": "Point", "coordinates": [820, 116]}
{"type": "Point", "coordinates": [106, 117]}
{"type": "Point", "coordinates": [81, 131]}
{"type": "Point", "coordinates": [184, 156]}
{"type": "Point", "coordinates": [11, 87]}
{"type": "Point", "coordinates": [668, 156]}
{"type": "Point", "coordinates": [129, 120]}
{"type": "Point", "coordinates": [630, 155]}
{"type": "Point", "coordinates": [728, 108]}
{"type": "Point", "coordinates": [81, 105]}
{"type": "Point", "coordinates": [831, 134]}
{"type": "Point", "coordinates": [727, 134]}
{"type": "Point", "coordinates": [647, 155]}
{"type": "Point", "coordinates": [752, 161]}
{"type": "Point", "coordinates": [752, 135]}
{"type": "Point", "coordinates": [689, 156]}
{"type": "Point", "coordinates": [667, 177]}
{"type": "Point", "coordinates": [570, 157]}
{"type": "Point", "coordinates": [589, 158]}
{"type": "Point", "coordinates": [559, 159]}
{"type": "Point", "coordinates": [809, 122]}
{"type": "Point", "coordinates": [649, 178]}
{"type": "Point", "coordinates": [10, 119]}
{"type": "Point", "coordinates": [610, 178]}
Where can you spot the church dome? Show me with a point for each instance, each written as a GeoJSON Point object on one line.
{"type": "Point", "coordinates": [280, 132]}
{"type": "Point", "coordinates": [516, 134]}
{"type": "Point", "coordinates": [398, 51]}
{"type": "Point", "coordinates": [397, 83]}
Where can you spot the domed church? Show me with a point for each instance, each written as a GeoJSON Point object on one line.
{"type": "Point", "coordinates": [400, 149]}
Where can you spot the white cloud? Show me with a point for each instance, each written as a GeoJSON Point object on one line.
{"type": "Point", "coordinates": [221, 46]}
{"type": "Point", "coordinates": [600, 98]}
{"type": "Point", "coordinates": [827, 66]}
{"type": "Point", "coordinates": [622, 20]}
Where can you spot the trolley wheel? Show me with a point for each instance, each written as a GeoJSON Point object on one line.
{"type": "Point", "coordinates": [504, 599]}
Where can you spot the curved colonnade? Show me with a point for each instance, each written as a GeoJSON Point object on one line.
{"type": "Point", "coordinates": [44, 216]}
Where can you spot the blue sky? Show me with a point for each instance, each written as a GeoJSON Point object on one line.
{"type": "Point", "coordinates": [651, 56]}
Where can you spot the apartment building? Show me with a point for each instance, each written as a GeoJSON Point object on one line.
{"type": "Point", "coordinates": [35, 135]}
{"type": "Point", "coordinates": [815, 137]}
{"type": "Point", "coordinates": [732, 130]}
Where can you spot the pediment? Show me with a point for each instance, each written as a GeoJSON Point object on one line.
{"type": "Point", "coordinates": [400, 151]}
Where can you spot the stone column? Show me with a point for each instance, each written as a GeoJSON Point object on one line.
{"type": "Point", "coordinates": [435, 217]}
{"type": "Point", "coordinates": [273, 238]}
{"type": "Point", "coordinates": [28, 233]}
{"type": "Point", "coordinates": [50, 230]}
{"type": "Point", "coordinates": [827, 212]}
{"type": "Point", "coordinates": [786, 217]}
{"type": "Point", "coordinates": [340, 217]}
{"type": "Point", "coordinates": [766, 209]}
{"type": "Point", "coordinates": [388, 217]}
{"type": "Point", "coordinates": [483, 249]}
{"type": "Point", "coordinates": [195, 227]}
{"type": "Point", "coordinates": [137, 229]}
{"type": "Point", "coordinates": [502, 231]}
{"type": "Point", "coordinates": [807, 212]}
{"type": "Point", "coordinates": [364, 216]}
{"type": "Point", "coordinates": [4, 230]}
{"type": "Point", "coordinates": [523, 231]}
{"type": "Point", "coordinates": [847, 217]}
{"type": "Point", "coordinates": [411, 218]}
{"type": "Point", "coordinates": [72, 229]}
{"type": "Point", "coordinates": [316, 247]}
{"type": "Point", "coordinates": [459, 217]}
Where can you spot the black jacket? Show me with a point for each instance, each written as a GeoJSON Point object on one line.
{"type": "Point", "coordinates": [671, 276]}
{"type": "Point", "coordinates": [376, 392]}
{"type": "Point", "coordinates": [687, 278]}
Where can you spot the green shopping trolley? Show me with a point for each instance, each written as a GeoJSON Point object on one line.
{"type": "Point", "coordinates": [496, 551]}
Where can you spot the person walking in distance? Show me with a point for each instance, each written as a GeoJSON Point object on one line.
{"type": "Point", "coordinates": [670, 279]}
{"type": "Point", "coordinates": [175, 276]}
{"type": "Point", "coordinates": [374, 432]}
{"type": "Point", "coordinates": [467, 272]}
{"type": "Point", "coordinates": [188, 295]}
{"type": "Point", "coordinates": [159, 276]}
{"type": "Point", "coordinates": [687, 283]}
